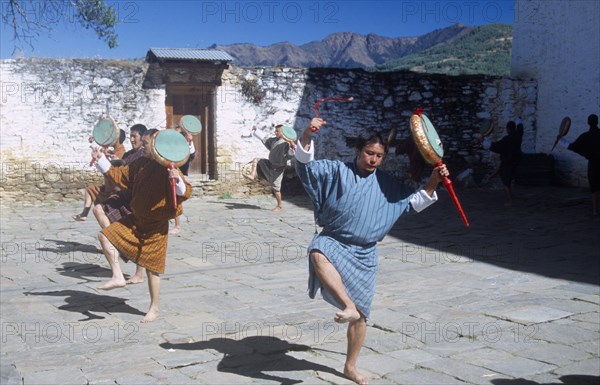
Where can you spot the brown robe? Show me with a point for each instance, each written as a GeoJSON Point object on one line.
{"type": "Point", "coordinates": [142, 236]}
{"type": "Point", "coordinates": [101, 193]}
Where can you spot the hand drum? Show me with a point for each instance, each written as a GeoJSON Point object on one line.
{"type": "Point", "coordinates": [289, 134]}
{"type": "Point", "coordinates": [105, 132]}
{"type": "Point", "coordinates": [430, 146]}
{"type": "Point", "coordinates": [170, 149]}
{"type": "Point", "coordinates": [563, 130]}
{"type": "Point", "coordinates": [190, 124]}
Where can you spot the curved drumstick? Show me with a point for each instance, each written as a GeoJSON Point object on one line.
{"type": "Point", "coordinates": [316, 106]}
{"type": "Point", "coordinates": [448, 184]}
{"type": "Point", "coordinates": [173, 187]}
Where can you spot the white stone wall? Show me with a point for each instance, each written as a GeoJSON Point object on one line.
{"type": "Point", "coordinates": [48, 110]}
{"type": "Point", "coordinates": [557, 43]}
{"type": "Point", "coordinates": [235, 114]}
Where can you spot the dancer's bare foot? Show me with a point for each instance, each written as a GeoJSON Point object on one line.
{"type": "Point", "coordinates": [354, 375]}
{"type": "Point", "coordinates": [175, 230]}
{"type": "Point", "coordinates": [348, 315]}
{"type": "Point", "coordinates": [79, 218]}
{"type": "Point", "coordinates": [150, 316]}
{"type": "Point", "coordinates": [113, 284]}
{"type": "Point", "coordinates": [135, 279]}
{"type": "Point", "coordinates": [278, 208]}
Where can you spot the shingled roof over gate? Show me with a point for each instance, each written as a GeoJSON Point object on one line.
{"type": "Point", "coordinates": [187, 55]}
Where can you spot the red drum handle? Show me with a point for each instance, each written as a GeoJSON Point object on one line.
{"type": "Point", "coordinates": [448, 184]}
{"type": "Point", "coordinates": [173, 187]}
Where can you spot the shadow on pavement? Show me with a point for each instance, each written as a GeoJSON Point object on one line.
{"type": "Point", "coordinates": [253, 356]}
{"type": "Point", "coordinates": [237, 206]}
{"type": "Point", "coordinates": [65, 247]}
{"type": "Point", "coordinates": [574, 379]}
{"type": "Point", "coordinates": [548, 232]}
{"type": "Point", "coordinates": [86, 303]}
{"type": "Point", "coordinates": [83, 270]}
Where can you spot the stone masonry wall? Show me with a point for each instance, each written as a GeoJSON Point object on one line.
{"type": "Point", "coordinates": [456, 105]}
{"type": "Point", "coordinates": [49, 106]}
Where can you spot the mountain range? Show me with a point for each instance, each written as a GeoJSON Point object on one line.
{"type": "Point", "coordinates": [340, 50]}
{"type": "Point", "coordinates": [373, 52]}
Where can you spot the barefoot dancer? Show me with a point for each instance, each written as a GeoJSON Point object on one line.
{"type": "Point", "coordinates": [119, 204]}
{"type": "Point", "coordinates": [142, 236]}
{"type": "Point", "coordinates": [270, 171]}
{"type": "Point", "coordinates": [357, 205]}
{"type": "Point", "coordinates": [95, 194]}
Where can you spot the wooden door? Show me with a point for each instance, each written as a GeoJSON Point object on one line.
{"type": "Point", "coordinates": [197, 101]}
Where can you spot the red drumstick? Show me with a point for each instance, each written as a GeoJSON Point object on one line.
{"type": "Point", "coordinates": [316, 106]}
{"type": "Point", "coordinates": [173, 187]}
{"type": "Point", "coordinates": [448, 184]}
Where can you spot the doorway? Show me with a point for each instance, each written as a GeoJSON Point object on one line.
{"type": "Point", "coordinates": [197, 100]}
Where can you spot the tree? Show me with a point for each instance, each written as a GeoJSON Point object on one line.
{"type": "Point", "coordinates": [29, 19]}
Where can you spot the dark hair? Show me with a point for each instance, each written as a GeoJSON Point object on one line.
{"type": "Point", "coordinates": [122, 136]}
{"type": "Point", "coordinates": [149, 132]}
{"type": "Point", "coordinates": [593, 120]}
{"type": "Point", "coordinates": [139, 128]}
{"type": "Point", "coordinates": [372, 138]}
{"type": "Point", "coordinates": [511, 126]}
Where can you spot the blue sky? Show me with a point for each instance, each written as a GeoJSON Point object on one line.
{"type": "Point", "coordinates": [199, 24]}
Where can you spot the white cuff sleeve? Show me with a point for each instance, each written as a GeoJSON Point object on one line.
{"type": "Point", "coordinates": [103, 164]}
{"type": "Point", "coordinates": [421, 200]}
{"type": "Point", "coordinates": [487, 143]}
{"type": "Point", "coordinates": [192, 147]}
{"type": "Point", "coordinates": [302, 155]}
{"type": "Point", "coordinates": [180, 187]}
{"type": "Point", "coordinates": [564, 143]}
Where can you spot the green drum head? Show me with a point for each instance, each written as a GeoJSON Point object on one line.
{"type": "Point", "coordinates": [289, 133]}
{"type": "Point", "coordinates": [432, 136]}
{"type": "Point", "coordinates": [105, 132]}
{"type": "Point", "coordinates": [171, 146]}
{"type": "Point", "coordinates": [191, 124]}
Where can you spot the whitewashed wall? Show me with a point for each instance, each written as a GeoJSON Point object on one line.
{"type": "Point", "coordinates": [558, 43]}
{"type": "Point", "coordinates": [48, 109]}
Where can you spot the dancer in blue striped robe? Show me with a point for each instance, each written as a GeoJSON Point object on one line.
{"type": "Point", "coordinates": [356, 205]}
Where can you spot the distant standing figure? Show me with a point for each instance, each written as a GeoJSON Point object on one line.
{"type": "Point", "coordinates": [588, 146]}
{"type": "Point", "coordinates": [509, 148]}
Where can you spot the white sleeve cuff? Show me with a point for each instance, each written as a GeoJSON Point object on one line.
{"type": "Point", "coordinates": [421, 200]}
{"type": "Point", "coordinates": [180, 187]}
{"type": "Point", "coordinates": [103, 164]}
{"type": "Point", "coordinates": [302, 155]}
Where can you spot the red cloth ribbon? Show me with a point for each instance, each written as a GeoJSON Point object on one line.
{"type": "Point", "coordinates": [419, 111]}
